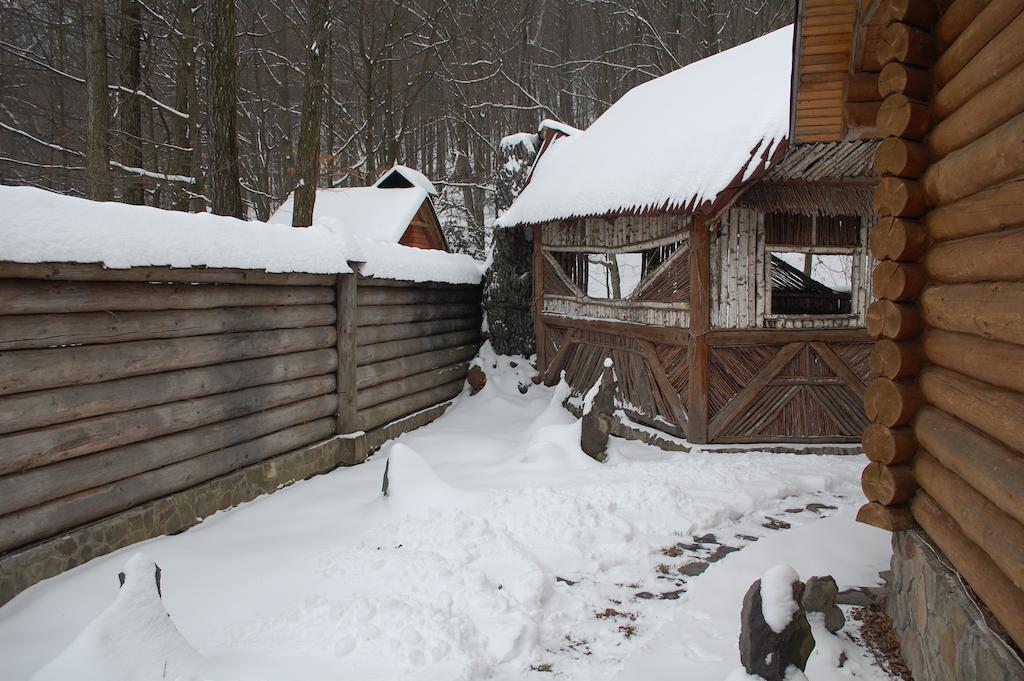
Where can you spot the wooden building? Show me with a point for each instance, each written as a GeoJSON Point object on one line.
{"type": "Point", "coordinates": [723, 266]}
{"type": "Point", "coordinates": [398, 208]}
{"type": "Point", "coordinates": [946, 442]}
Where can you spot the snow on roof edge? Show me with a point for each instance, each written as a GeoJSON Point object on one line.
{"type": "Point", "coordinates": [39, 226]}
{"type": "Point", "coordinates": [558, 126]}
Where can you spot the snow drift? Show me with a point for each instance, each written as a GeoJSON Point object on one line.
{"type": "Point", "coordinates": [134, 639]}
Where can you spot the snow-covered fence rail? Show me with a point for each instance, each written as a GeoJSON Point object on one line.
{"type": "Point", "coordinates": [135, 401]}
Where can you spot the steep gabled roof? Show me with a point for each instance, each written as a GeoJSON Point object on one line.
{"type": "Point", "coordinates": [400, 176]}
{"type": "Point", "coordinates": [675, 143]}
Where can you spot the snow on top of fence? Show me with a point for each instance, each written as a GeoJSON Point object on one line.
{"type": "Point", "coordinates": [675, 141]}
{"type": "Point", "coordinates": [41, 226]}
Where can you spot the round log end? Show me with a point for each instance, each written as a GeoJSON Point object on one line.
{"type": "Point", "coordinates": [898, 239]}
{"type": "Point", "coordinates": [890, 518]}
{"type": "Point", "coordinates": [889, 445]}
{"type": "Point", "coordinates": [900, 117]}
{"type": "Point", "coordinates": [891, 359]}
{"type": "Point", "coordinates": [899, 198]}
{"type": "Point", "coordinates": [891, 403]}
{"type": "Point", "coordinates": [898, 281]}
{"type": "Point", "coordinates": [888, 485]}
{"type": "Point", "coordinates": [888, 319]}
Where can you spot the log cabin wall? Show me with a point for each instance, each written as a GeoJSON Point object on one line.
{"type": "Point", "coordinates": [133, 401]}
{"type": "Point", "coordinates": [946, 443]}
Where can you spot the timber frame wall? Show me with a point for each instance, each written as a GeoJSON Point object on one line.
{"type": "Point", "coordinates": [695, 353]}
{"type": "Point", "coordinates": [947, 440]}
{"type": "Point", "coordinates": [120, 387]}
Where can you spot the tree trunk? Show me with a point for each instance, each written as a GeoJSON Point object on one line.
{"type": "Point", "coordinates": [130, 111]}
{"type": "Point", "coordinates": [97, 153]}
{"type": "Point", "coordinates": [225, 185]}
{"type": "Point", "coordinates": [188, 135]}
{"type": "Point", "coordinates": [312, 106]}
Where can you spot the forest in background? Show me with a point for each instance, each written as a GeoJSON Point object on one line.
{"type": "Point", "coordinates": [230, 106]}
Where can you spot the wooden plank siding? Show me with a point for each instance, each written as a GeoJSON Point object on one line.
{"type": "Point", "coordinates": [424, 230]}
{"type": "Point", "coordinates": [120, 387]}
{"type": "Point", "coordinates": [948, 398]}
{"type": "Point", "coordinates": [835, 84]}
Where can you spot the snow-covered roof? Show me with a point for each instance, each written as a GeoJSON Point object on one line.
{"type": "Point", "coordinates": [41, 226]}
{"type": "Point", "coordinates": [413, 177]}
{"type": "Point", "coordinates": [366, 212]}
{"type": "Point", "coordinates": [558, 126]}
{"type": "Point", "coordinates": [673, 143]}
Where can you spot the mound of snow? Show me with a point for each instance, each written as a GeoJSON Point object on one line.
{"type": "Point", "coordinates": [412, 485]}
{"type": "Point", "coordinates": [132, 640]}
{"type": "Point", "coordinates": [555, 412]}
{"type": "Point", "coordinates": [554, 436]}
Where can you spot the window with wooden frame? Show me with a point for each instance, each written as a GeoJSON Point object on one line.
{"type": "Point", "coordinates": [623, 275]}
{"type": "Point", "coordinates": [812, 264]}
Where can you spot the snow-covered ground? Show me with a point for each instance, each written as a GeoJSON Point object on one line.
{"type": "Point", "coordinates": [502, 552]}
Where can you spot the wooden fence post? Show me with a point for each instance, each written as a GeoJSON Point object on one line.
{"type": "Point", "coordinates": [345, 300]}
{"type": "Point", "coordinates": [699, 356]}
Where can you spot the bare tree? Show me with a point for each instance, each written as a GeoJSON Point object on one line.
{"type": "Point", "coordinates": [97, 154]}
{"type": "Point", "coordinates": [130, 107]}
{"type": "Point", "coordinates": [434, 84]}
{"type": "Point", "coordinates": [224, 181]}
{"type": "Point", "coordinates": [308, 160]}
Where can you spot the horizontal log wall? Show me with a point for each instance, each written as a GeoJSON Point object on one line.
{"type": "Point", "coordinates": [948, 400]}
{"type": "Point", "coordinates": [412, 345]}
{"type": "Point", "coordinates": [119, 388]}
{"type": "Point", "coordinates": [114, 393]}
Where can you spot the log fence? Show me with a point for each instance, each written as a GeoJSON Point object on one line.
{"type": "Point", "coordinates": [122, 387]}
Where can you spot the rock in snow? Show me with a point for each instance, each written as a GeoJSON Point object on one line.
{"type": "Point", "coordinates": [476, 378]}
{"type": "Point", "coordinates": [820, 596]}
{"type": "Point", "coordinates": [598, 414]}
{"type": "Point", "coordinates": [775, 634]}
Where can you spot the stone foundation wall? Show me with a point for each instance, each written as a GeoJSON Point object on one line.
{"type": "Point", "coordinates": [177, 512]}
{"type": "Point", "coordinates": [944, 635]}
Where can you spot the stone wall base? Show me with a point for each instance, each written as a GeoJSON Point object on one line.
{"type": "Point", "coordinates": [944, 635]}
{"type": "Point", "coordinates": [177, 512]}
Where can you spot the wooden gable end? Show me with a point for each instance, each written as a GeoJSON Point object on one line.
{"type": "Point", "coordinates": [835, 78]}
{"type": "Point", "coordinates": [424, 230]}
